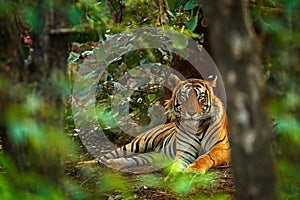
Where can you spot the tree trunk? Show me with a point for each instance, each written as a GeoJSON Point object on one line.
{"type": "Point", "coordinates": [49, 62]}
{"type": "Point", "coordinates": [11, 68]}
{"type": "Point", "coordinates": [237, 56]}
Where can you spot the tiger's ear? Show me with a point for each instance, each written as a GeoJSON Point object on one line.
{"type": "Point", "coordinates": [173, 81]}
{"type": "Point", "coordinates": [213, 83]}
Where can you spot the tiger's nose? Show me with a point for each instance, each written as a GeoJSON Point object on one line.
{"type": "Point", "coordinates": [192, 113]}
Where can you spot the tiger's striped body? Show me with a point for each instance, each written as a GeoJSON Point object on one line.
{"type": "Point", "coordinates": [196, 139]}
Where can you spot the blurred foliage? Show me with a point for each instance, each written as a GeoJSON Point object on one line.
{"type": "Point", "coordinates": [278, 26]}
{"type": "Point", "coordinates": [97, 19]}
{"type": "Point", "coordinates": [41, 150]}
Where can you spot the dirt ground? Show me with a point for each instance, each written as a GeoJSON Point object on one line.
{"type": "Point", "coordinates": [90, 178]}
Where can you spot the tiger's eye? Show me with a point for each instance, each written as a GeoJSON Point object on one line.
{"type": "Point", "coordinates": [201, 97]}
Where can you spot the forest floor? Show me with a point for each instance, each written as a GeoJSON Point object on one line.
{"type": "Point", "coordinates": [100, 182]}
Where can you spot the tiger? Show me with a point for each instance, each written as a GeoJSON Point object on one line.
{"type": "Point", "coordinates": [195, 138]}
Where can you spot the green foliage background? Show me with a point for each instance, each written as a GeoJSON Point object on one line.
{"type": "Point", "coordinates": [280, 39]}
{"type": "Point", "coordinates": [278, 29]}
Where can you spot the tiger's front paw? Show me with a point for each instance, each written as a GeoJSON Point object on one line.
{"type": "Point", "coordinates": [196, 169]}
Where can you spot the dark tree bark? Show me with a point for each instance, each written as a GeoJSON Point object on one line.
{"type": "Point", "coordinates": [11, 67]}
{"type": "Point", "coordinates": [10, 47]}
{"type": "Point", "coordinates": [51, 48]}
{"type": "Point", "coordinates": [237, 56]}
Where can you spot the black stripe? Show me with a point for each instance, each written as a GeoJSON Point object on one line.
{"type": "Point", "coordinates": [204, 133]}
{"type": "Point", "coordinates": [124, 151]}
{"type": "Point", "coordinates": [137, 146]}
{"type": "Point", "coordinates": [171, 136]}
{"type": "Point", "coordinates": [185, 162]}
{"type": "Point", "coordinates": [105, 157]}
{"type": "Point", "coordinates": [148, 136]}
{"type": "Point", "coordinates": [159, 143]}
{"type": "Point", "coordinates": [189, 144]}
{"type": "Point", "coordinates": [117, 153]}
{"type": "Point", "coordinates": [180, 128]}
{"type": "Point", "coordinates": [154, 141]}
{"type": "Point", "coordinates": [216, 129]}
{"type": "Point", "coordinates": [135, 159]}
{"type": "Point", "coordinates": [145, 158]}
{"type": "Point", "coordinates": [146, 146]}
{"type": "Point", "coordinates": [195, 139]}
{"type": "Point", "coordinates": [111, 154]}
{"type": "Point", "coordinates": [189, 153]}
{"type": "Point", "coordinates": [174, 147]}
{"type": "Point", "coordinates": [159, 134]}
{"type": "Point", "coordinates": [220, 141]}
{"type": "Point", "coordinates": [148, 139]}
{"type": "Point", "coordinates": [189, 139]}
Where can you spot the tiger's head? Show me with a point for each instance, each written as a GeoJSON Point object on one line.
{"type": "Point", "coordinates": [191, 99]}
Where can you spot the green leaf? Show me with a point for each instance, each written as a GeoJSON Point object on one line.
{"type": "Point", "coordinates": [192, 23]}
{"type": "Point", "coordinates": [190, 5]}
{"type": "Point", "coordinates": [73, 57]}
{"type": "Point", "coordinates": [152, 97]}
{"type": "Point", "coordinates": [179, 3]}
{"type": "Point", "coordinates": [74, 15]}
{"type": "Point", "coordinates": [171, 4]}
